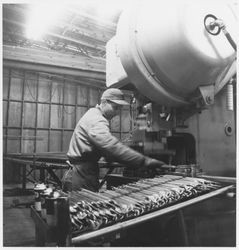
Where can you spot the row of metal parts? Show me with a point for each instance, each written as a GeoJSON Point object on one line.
{"type": "Point", "coordinates": [90, 211]}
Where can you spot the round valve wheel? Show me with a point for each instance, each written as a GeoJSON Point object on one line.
{"type": "Point", "coordinates": [210, 26]}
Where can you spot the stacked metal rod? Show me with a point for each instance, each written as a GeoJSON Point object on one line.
{"type": "Point", "coordinates": [90, 211]}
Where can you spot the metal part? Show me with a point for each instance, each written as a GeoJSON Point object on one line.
{"type": "Point", "coordinates": [214, 27]}
{"type": "Point", "coordinates": [228, 129]}
{"type": "Point", "coordinates": [90, 211]}
{"type": "Point", "coordinates": [230, 103]}
{"type": "Point", "coordinates": [219, 178]}
{"type": "Point", "coordinates": [167, 57]}
{"type": "Point", "coordinates": [210, 25]}
{"type": "Point", "coordinates": [207, 93]}
{"type": "Point", "coordinates": [135, 221]}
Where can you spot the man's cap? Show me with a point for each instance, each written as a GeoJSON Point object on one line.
{"type": "Point", "coordinates": [114, 95]}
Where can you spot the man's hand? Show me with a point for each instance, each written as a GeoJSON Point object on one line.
{"type": "Point", "coordinates": [151, 163]}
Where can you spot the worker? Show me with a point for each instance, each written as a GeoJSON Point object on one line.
{"type": "Point", "coordinates": [92, 139]}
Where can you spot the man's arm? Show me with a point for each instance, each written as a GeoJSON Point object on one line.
{"type": "Point", "coordinates": [110, 146]}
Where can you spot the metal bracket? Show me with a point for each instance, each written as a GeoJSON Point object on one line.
{"type": "Point", "coordinates": [207, 94]}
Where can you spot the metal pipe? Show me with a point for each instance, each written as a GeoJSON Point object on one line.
{"type": "Point", "coordinates": [229, 38]}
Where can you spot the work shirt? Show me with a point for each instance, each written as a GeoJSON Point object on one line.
{"type": "Point", "coordinates": [91, 140]}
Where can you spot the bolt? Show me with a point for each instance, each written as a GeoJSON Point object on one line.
{"type": "Point", "coordinates": [208, 99]}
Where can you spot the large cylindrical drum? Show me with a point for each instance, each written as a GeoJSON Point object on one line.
{"type": "Point", "coordinates": [168, 53]}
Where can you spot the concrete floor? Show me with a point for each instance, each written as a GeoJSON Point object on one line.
{"type": "Point", "coordinates": [18, 226]}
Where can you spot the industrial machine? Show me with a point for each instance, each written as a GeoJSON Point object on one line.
{"type": "Point", "coordinates": [179, 60]}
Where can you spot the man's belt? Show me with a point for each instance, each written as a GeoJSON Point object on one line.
{"type": "Point", "coordinates": [84, 158]}
{"type": "Point", "coordinates": [77, 161]}
{"type": "Point", "coordinates": [71, 162]}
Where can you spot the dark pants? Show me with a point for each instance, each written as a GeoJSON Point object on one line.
{"type": "Point", "coordinates": [82, 175]}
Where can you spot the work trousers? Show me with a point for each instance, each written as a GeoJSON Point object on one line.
{"type": "Point", "coordinates": [82, 175]}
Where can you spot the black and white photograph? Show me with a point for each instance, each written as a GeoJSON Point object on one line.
{"type": "Point", "coordinates": [119, 123]}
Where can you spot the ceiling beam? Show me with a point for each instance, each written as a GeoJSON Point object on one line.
{"type": "Point", "coordinates": [53, 62]}
{"type": "Point", "coordinates": [110, 26]}
{"type": "Point", "coordinates": [100, 31]}
{"type": "Point", "coordinates": [65, 38]}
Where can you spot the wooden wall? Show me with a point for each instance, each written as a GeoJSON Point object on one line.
{"type": "Point", "coordinates": [40, 112]}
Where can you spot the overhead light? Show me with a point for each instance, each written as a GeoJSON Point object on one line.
{"type": "Point", "coordinates": [41, 17]}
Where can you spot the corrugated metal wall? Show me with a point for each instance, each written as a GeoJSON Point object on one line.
{"type": "Point", "coordinates": [40, 112]}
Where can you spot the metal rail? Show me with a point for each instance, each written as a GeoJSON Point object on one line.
{"type": "Point", "coordinates": [29, 166]}
{"type": "Point", "coordinates": [219, 178]}
{"type": "Point", "coordinates": [117, 228]}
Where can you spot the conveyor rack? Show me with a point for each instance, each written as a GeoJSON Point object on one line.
{"type": "Point", "coordinates": [111, 211]}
